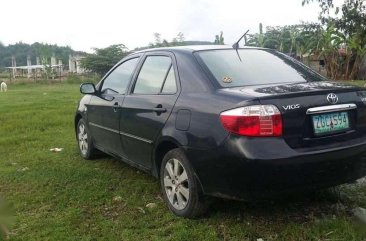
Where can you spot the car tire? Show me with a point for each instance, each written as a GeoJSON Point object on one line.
{"type": "Point", "coordinates": [181, 189]}
{"type": "Point", "coordinates": [86, 147]}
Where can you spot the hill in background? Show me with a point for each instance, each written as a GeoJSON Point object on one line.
{"type": "Point", "coordinates": [22, 50]}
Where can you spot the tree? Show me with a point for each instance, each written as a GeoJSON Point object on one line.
{"type": "Point", "coordinates": [351, 28]}
{"type": "Point", "coordinates": [308, 37]}
{"type": "Point", "coordinates": [219, 39]}
{"type": "Point", "coordinates": [104, 59]}
{"type": "Point", "coordinates": [257, 39]}
{"type": "Point", "coordinates": [325, 5]}
{"type": "Point", "coordinates": [294, 32]}
{"type": "Point", "coordinates": [158, 42]}
{"type": "Point", "coordinates": [157, 38]}
{"type": "Point", "coordinates": [353, 25]}
{"type": "Point", "coordinates": [180, 37]}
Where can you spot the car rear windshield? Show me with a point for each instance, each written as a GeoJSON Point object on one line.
{"type": "Point", "coordinates": [254, 67]}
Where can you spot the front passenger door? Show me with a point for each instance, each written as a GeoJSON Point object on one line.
{"type": "Point", "coordinates": [104, 109]}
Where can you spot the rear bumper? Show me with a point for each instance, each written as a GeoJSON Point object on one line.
{"type": "Point", "coordinates": [245, 168]}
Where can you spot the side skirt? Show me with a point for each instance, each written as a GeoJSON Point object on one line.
{"type": "Point", "coordinates": [126, 160]}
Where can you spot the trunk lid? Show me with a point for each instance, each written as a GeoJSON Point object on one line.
{"type": "Point", "coordinates": [295, 100]}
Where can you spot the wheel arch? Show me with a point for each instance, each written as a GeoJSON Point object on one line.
{"type": "Point", "coordinates": [164, 145]}
{"type": "Point", "coordinates": [78, 117]}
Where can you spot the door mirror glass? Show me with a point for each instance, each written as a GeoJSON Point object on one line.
{"type": "Point", "coordinates": [87, 88]}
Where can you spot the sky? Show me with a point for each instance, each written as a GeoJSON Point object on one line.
{"type": "Point", "coordinates": [84, 25]}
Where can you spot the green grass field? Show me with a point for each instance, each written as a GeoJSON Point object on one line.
{"type": "Point", "coordinates": [59, 196]}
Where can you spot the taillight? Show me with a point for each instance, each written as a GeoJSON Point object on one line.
{"type": "Point", "coordinates": [255, 120]}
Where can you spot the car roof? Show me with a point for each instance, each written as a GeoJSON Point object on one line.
{"type": "Point", "coordinates": [193, 48]}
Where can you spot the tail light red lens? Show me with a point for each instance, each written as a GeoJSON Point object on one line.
{"type": "Point", "coordinates": [255, 120]}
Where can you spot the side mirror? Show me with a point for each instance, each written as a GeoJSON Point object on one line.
{"type": "Point", "coordinates": [87, 88]}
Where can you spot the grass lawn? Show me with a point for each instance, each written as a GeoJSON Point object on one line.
{"type": "Point", "coordinates": [60, 196]}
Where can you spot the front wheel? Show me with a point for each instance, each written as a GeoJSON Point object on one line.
{"type": "Point", "coordinates": [181, 190]}
{"type": "Point", "coordinates": [85, 144]}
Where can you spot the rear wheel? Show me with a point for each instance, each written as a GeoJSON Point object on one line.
{"type": "Point", "coordinates": [85, 144]}
{"type": "Point", "coordinates": [181, 190]}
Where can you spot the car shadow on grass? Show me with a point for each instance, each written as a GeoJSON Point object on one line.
{"type": "Point", "coordinates": [296, 208]}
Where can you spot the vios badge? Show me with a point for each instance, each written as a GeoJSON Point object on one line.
{"type": "Point", "coordinates": [332, 98]}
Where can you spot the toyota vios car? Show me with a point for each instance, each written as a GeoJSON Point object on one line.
{"type": "Point", "coordinates": [232, 123]}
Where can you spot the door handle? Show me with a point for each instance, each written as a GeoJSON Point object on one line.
{"type": "Point", "coordinates": [159, 110]}
{"type": "Point", "coordinates": [116, 106]}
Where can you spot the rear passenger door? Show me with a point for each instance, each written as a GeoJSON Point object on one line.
{"type": "Point", "coordinates": [148, 106]}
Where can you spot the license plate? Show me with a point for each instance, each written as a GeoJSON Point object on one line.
{"type": "Point", "coordinates": [330, 123]}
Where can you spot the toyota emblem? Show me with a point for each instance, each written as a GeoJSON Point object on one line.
{"type": "Point", "coordinates": [332, 98]}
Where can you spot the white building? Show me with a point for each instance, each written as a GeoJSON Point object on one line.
{"type": "Point", "coordinates": [74, 64]}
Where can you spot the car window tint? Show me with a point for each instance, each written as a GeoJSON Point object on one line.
{"type": "Point", "coordinates": [152, 75]}
{"type": "Point", "coordinates": [170, 85]}
{"type": "Point", "coordinates": [118, 80]}
{"type": "Point", "coordinates": [254, 67]}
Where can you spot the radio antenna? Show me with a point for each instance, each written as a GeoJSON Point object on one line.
{"type": "Point", "coordinates": [236, 44]}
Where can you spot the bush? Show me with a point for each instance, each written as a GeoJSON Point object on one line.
{"type": "Point", "coordinates": [78, 79]}
{"type": "Point", "coordinates": [73, 78]}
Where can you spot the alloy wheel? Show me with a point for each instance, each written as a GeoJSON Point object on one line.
{"type": "Point", "coordinates": [176, 184]}
{"type": "Point", "coordinates": [83, 139]}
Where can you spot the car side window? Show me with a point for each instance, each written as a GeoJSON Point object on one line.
{"type": "Point", "coordinates": [117, 81]}
{"type": "Point", "coordinates": [153, 74]}
{"type": "Point", "coordinates": [170, 85]}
